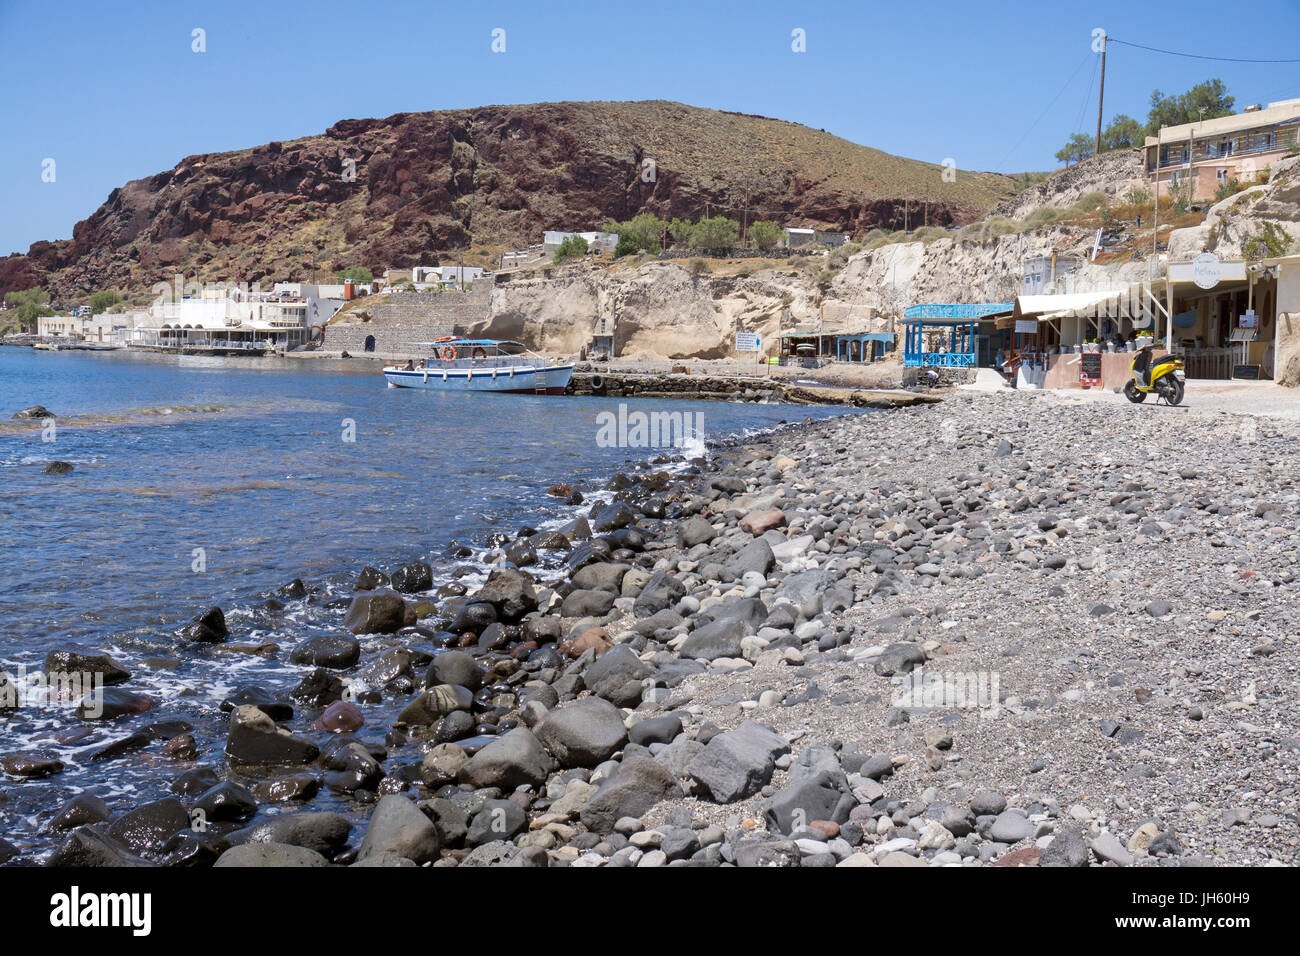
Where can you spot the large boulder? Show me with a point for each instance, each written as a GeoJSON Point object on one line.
{"type": "Point", "coordinates": [587, 604]}
{"type": "Point", "coordinates": [455, 667]}
{"type": "Point", "coordinates": [694, 531]}
{"type": "Point", "coordinates": [512, 760]}
{"type": "Point", "coordinates": [413, 578]}
{"type": "Point", "coordinates": [822, 795]}
{"type": "Point", "coordinates": [434, 704]}
{"type": "Point", "coordinates": [619, 676]}
{"type": "Point", "coordinates": [73, 659]}
{"type": "Point", "coordinates": [376, 612]}
{"type": "Point", "coordinates": [637, 785]}
{"type": "Point", "coordinates": [397, 826]}
{"type": "Point", "coordinates": [738, 763]}
{"type": "Point", "coordinates": [255, 739]}
{"type": "Point", "coordinates": [146, 828]}
{"type": "Point", "coordinates": [601, 576]}
{"type": "Point", "coordinates": [660, 592]}
{"type": "Point", "coordinates": [335, 651]}
{"type": "Point", "coordinates": [89, 846]}
{"type": "Point", "coordinates": [510, 592]}
{"type": "Point", "coordinates": [714, 640]}
{"type": "Point", "coordinates": [325, 833]}
{"type": "Point", "coordinates": [209, 627]}
{"type": "Point", "coordinates": [583, 733]}
{"type": "Point", "coordinates": [270, 854]}
{"type": "Point", "coordinates": [755, 556]}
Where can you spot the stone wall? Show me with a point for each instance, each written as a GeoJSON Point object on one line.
{"type": "Point", "coordinates": [391, 324]}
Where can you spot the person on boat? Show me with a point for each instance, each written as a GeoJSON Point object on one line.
{"type": "Point", "coordinates": [410, 365]}
{"type": "Point", "coordinates": [421, 365]}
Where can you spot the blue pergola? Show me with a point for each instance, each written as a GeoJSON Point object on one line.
{"type": "Point", "coordinates": [962, 322]}
{"type": "Point", "coordinates": [866, 352]}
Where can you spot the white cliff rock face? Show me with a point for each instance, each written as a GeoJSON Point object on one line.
{"type": "Point", "coordinates": [660, 310]}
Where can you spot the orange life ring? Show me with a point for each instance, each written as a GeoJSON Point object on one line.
{"type": "Point", "coordinates": [449, 354]}
{"type": "Point", "coordinates": [479, 352]}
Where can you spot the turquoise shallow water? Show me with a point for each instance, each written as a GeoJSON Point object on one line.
{"type": "Point", "coordinates": [266, 470]}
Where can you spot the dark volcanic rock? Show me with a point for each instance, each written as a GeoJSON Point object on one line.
{"type": "Point", "coordinates": [207, 628]}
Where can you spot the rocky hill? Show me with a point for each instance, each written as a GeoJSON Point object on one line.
{"type": "Point", "coordinates": [400, 191]}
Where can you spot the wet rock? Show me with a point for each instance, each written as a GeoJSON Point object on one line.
{"type": "Point", "coordinates": [413, 578]}
{"type": "Point", "coordinates": [335, 651]}
{"type": "Point", "coordinates": [294, 787]}
{"type": "Point", "coordinates": [89, 846]}
{"type": "Point", "coordinates": [340, 717]}
{"type": "Point", "coordinates": [82, 809]}
{"type": "Point", "coordinates": [58, 468]}
{"type": "Point", "coordinates": [87, 664]}
{"type": "Point", "coordinates": [254, 739]}
{"type": "Point", "coordinates": [209, 627]}
{"type": "Point", "coordinates": [146, 828]}
{"type": "Point", "coordinates": [31, 766]}
{"type": "Point", "coordinates": [323, 833]}
{"type": "Point", "coordinates": [33, 413]}
{"type": "Point", "coordinates": [371, 579]}
{"type": "Point", "coordinates": [434, 704]}
{"type": "Point", "coordinates": [379, 612]}
{"type": "Point", "coordinates": [111, 703]}
{"type": "Point", "coordinates": [267, 701]}
{"type": "Point", "coordinates": [510, 593]}
{"type": "Point", "coordinates": [318, 689]}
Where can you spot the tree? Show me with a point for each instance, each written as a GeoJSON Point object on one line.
{"type": "Point", "coordinates": [764, 234]}
{"type": "Point", "coordinates": [1124, 132]}
{"type": "Point", "coordinates": [718, 232]}
{"type": "Point", "coordinates": [357, 274]}
{"type": "Point", "coordinates": [571, 247]}
{"type": "Point", "coordinates": [103, 301]}
{"type": "Point", "coordinates": [645, 231]}
{"type": "Point", "coordinates": [1202, 102]}
{"type": "Point", "coordinates": [1078, 148]}
{"type": "Point", "coordinates": [680, 230]}
{"type": "Point", "coordinates": [626, 246]}
{"type": "Point", "coordinates": [25, 307]}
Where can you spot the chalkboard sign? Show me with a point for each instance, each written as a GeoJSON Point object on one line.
{"type": "Point", "coordinates": [1245, 371]}
{"type": "Point", "coordinates": [1090, 368]}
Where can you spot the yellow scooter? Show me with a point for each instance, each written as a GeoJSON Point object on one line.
{"type": "Point", "coordinates": [1165, 376]}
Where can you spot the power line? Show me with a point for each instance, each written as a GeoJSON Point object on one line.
{"type": "Point", "coordinates": [1196, 56]}
{"type": "Point", "coordinates": [1030, 128]}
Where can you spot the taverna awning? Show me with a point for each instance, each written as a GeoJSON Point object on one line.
{"type": "Point", "coordinates": [1131, 301]}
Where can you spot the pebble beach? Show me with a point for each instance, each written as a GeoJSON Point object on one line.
{"type": "Point", "coordinates": [1003, 630]}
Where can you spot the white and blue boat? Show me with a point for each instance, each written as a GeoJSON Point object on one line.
{"type": "Point", "coordinates": [481, 365]}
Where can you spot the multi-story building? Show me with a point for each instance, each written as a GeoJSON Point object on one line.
{"type": "Point", "coordinates": [1213, 152]}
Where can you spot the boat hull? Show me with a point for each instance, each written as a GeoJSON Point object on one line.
{"type": "Point", "coordinates": [519, 380]}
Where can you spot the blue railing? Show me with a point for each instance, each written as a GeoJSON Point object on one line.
{"type": "Point", "coordinates": [940, 360]}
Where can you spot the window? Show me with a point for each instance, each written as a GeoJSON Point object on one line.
{"type": "Point", "coordinates": [1223, 175]}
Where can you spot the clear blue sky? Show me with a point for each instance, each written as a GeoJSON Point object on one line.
{"type": "Point", "coordinates": [112, 91]}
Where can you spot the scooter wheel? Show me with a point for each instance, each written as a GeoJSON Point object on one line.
{"type": "Point", "coordinates": [1134, 394]}
{"type": "Point", "coordinates": [1175, 395]}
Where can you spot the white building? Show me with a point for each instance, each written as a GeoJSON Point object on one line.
{"type": "Point", "coordinates": [234, 319]}
{"type": "Point", "coordinates": [602, 242]}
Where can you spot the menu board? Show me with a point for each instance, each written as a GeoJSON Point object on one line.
{"type": "Point", "coordinates": [1090, 368]}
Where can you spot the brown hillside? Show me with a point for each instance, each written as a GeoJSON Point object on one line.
{"type": "Point", "coordinates": [486, 178]}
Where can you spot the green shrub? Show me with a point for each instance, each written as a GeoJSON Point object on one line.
{"type": "Point", "coordinates": [698, 267]}
{"type": "Point", "coordinates": [571, 247]}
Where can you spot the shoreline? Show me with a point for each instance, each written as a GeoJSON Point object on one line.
{"type": "Point", "coordinates": [962, 539]}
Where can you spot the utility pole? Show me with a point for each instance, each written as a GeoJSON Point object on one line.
{"type": "Point", "coordinates": [1101, 93]}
